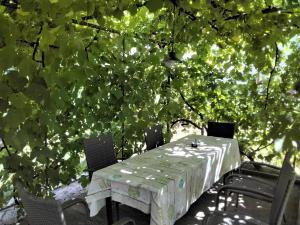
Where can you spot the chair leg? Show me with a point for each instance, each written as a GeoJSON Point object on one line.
{"type": "Point", "coordinates": [237, 201]}
{"type": "Point", "coordinates": [118, 210]}
{"type": "Point", "coordinates": [109, 211]}
{"type": "Point", "coordinates": [224, 178]}
{"type": "Point", "coordinates": [204, 222]}
{"type": "Point", "coordinates": [217, 201]}
{"type": "Point", "coordinates": [284, 219]}
{"type": "Point", "coordinates": [225, 202]}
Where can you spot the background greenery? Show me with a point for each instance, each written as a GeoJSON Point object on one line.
{"type": "Point", "coordinates": [71, 69]}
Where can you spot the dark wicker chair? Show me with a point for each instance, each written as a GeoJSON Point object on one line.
{"type": "Point", "coordinates": [279, 200]}
{"type": "Point", "coordinates": [49, 212]}
{"type": "Point", "coordinates": [216, 129]}
{"type": "Point", "coordinates": [154, 137]}
{"type": "Point", "coordinates": [99, 152]}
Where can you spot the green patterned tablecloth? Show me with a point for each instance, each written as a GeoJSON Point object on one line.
{"type": "Point", "coordinates": [167, 180]}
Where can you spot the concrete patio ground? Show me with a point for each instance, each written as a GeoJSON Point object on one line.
{"type": "Point", "coordinates": [206, 204]}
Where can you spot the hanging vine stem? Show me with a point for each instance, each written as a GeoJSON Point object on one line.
{"type": "Point", "coordinates": [186, 121]}
{"type": "Point", "coordinates": [95, 26]}
{"type": "Point", "coordinates": [173, 28]}
{"type": "Point", "coordinates": [272, 73]}
{"type": "Point", "coordinates": [90, 43]}
{"type": "Point", "coordinates": [36, 48]}
{"type": "Point", "coordinates": [123, 96]}
{"type": "Point", "coordinates": [47, 163]}
{"type": "Point", "coordinates": [190, 106]}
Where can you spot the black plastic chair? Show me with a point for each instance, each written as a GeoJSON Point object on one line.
{"type": "Point", "coordinates": [240, 177]}
{"type": "Point", "coordinates": [262, 170]}
{"type": "Point", "coordinates": [257, 183]}
{"type": "Point", "coordinates": [253, 186]}
{"type": "Point", "coordinates": [99, 152]}
{"type": "Point", "coordinates": [279, 200]}
{"type": "Point", "coordinates": [49, 212]}
{"type": "Point", "coordinates": [216, 129]}
{"type": "Point", "coordinates": [154, 137]}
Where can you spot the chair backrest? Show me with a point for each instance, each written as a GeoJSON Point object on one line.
{"type": "Point", "coordinates": [225, 130]}
{"type": "Point", "coordinates": [282, 191]}
{"type": "Point", "coordinates": [154, 137]}
{"type": "Point", "coordinates": [287, 158]}
{"type": "Point", "coordinates": [40, 211]}
{"type": "Point", "coordinates": [99, 152]}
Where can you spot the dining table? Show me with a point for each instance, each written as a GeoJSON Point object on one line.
{"type": "Point", "coordinates": [164, 181]}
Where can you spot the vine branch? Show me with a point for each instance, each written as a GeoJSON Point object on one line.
{"type": "Point", "coordinates": [32, 44]}
{"type": "Point", "coordinates": [95, 26]}
{"type": "Point", "coordinates": [260, 147]}
{"type": "Point", "coordinates": [272, 73]}
{"type": "Point", "coordinates": [187, 121]}
{"type": "Point", "coordinates": [190, 106]}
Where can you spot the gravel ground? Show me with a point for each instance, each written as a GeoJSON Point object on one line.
{"type": "Point", "coordinates": [10, 216]}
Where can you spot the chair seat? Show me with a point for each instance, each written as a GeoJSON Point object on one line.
{"type": "Point", "coordinates": [245, 182]}
{"type": "Point", "coordinates": [75, 217]}
{"type": "Point", "coordinates": [231, 218]}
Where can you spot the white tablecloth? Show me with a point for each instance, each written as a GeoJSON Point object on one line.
{"type": "Point", "coordinates": [167, 180]}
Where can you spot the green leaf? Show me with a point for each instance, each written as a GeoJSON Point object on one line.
{"type": "Point", "coordinates": [27, 5]}
{"type": "Point", "coordinates": [90, 7]}
{"type": "Point", "coordinates": [37, 92]}
{"type": "Point", "coordinates": [4, 90]}
{"type": "Point", "coordinates": [18, 100]}
{"type": "Point", "coordinates": [15, 117]}
{"type": "Point", "coordinates": [48, 37]}
{"type": "Point", "coordinates": [118, 13]}
{"type": "Point", "coordinates": [154, 5]}
{"type": "Point", "coordinates": [16, 81]}
{"type": "Point", "coordinates": [3, 105]}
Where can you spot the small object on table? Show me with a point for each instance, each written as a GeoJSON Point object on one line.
{"type": "Point", "coordinates": [194, 144]}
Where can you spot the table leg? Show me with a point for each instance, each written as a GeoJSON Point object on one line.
{"type": "Point", "coordinates": [109, 211]}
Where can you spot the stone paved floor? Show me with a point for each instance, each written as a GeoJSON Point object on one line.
{"type": "Point", "coordinates": [206, 204]}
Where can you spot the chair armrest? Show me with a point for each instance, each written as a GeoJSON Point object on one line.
{"type": "Point", "coordinates": [254, 193]}
{"type": "Point", "coordinates": [125, 221]}
{"type": "Point", "coordinates": [264, 174]}
{"type": "Point", "coordinates": [75, 201]}
{"type": "Point", "coordinates": [248, 178]}
{"type": "Point", "coordinates": [258, 173]}
{"type": "Point", "coordinates": [244, 190]}
{"type": "Point", "coordinates": [260, 164]}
